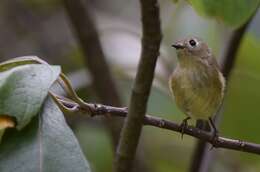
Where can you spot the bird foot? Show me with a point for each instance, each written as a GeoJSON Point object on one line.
{"type": "Point", "coordinates": [215, 134]}
{"type": "Point", "coordinates": [183, 125]}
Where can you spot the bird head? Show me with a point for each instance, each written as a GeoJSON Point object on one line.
{"type": "Point", "coordinates": [191, 48]}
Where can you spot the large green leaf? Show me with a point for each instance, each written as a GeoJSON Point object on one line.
{"type": "Point", "coordinates": [23, 90]}
{"type": "Point", "coordinates": [231, 12]}
{"type": "Point", "coordinates": [47, 144]}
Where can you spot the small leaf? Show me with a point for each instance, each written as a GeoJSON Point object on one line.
{"type": "Point", "coordinates": [232, 12]}
{"type": "Point", "coordinates": [23, 90]}
{"type": "Point", "coordinates": [6, 122]}
{"type": "Point", "coordinates": [47, 144]}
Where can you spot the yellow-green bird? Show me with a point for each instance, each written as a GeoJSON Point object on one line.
{"type": "Point", "coordinates": [197, 82]}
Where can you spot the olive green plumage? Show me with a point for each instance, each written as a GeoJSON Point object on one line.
{"type": "Point", "coordinates": [196, 83]}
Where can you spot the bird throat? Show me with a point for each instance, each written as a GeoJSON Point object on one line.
{"type": "Point", "coordinates": [189, 62]}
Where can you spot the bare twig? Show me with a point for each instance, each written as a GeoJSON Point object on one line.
{"type": "Point", "coordinates": [149, 120]}
{"type": "Point", "coordinates": [150, 50]}
{"type": "Point", "coordinates": [102, 81]}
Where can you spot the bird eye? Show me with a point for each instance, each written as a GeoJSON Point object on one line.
{"type": "Point", "coordinates": [192, 42]}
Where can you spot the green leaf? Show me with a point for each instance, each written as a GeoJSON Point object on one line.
{"type": "Point", "coordinates": [47, 144]}
{"type": "Point", "coordinates": [232, 12]}
{"type": "Point", "coordinates": [23, 90]}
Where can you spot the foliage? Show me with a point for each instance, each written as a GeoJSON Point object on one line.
{"type": "Point", "coordinates": [232, 12]}
{"type": "Point", "coordinates": [25, 87]}
{"type": "Point", "coordinates": [44, 143]}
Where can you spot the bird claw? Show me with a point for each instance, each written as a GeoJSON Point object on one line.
{"type": "Point", "coordinates": [215, 134]}
{"type": "Point", "coordinates": [214, 140]}
{"type": "Point", "coordinates": [183, 125]}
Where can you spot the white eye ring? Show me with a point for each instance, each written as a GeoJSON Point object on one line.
{"type": "Point", "coordinates": [192, 42]}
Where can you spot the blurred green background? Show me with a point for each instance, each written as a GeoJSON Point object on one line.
{"type": "Point", "coordinates": [42, 28]}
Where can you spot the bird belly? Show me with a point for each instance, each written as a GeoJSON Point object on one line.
{"type": "Point", "coordinates": [197, 97]}
{"type": "Point", "coordinates": [198, 105]}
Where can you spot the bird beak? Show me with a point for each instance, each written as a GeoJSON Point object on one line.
{"type": "Point", "coordinates": [178, 45]}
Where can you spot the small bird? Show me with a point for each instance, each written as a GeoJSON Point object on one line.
{"type": "Point", "coordinates": [197, 82]}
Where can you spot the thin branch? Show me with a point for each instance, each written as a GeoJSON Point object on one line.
{"type": "Point", "coordinates": [150, 51]}
{"type": "Point", "coordinates": [200, 162]}
{"type": "Point", "coordinates": [102, 81]}
{"type": "Point", "coordinates": [149, 120]}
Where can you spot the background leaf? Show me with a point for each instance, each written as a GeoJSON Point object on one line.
{"type": "Point", "coordinates": [231, 12]}
{"type": "Point", "coordinates": [23, 90]}
{"type": "Point", "coordinates": [47, 144]}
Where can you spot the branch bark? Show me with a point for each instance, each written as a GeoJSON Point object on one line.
{"type": "Point", "coordinates": [149, 120]}
{"type": "Point", "coordinates": [102, 81]}
{"type": "Point", "coordinates": [200, 162]}
{"type": "Point", "coordinates": [150, 50]}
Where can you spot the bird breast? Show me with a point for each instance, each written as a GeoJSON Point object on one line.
{"type": "Point", "coordinates": [198, 91]}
